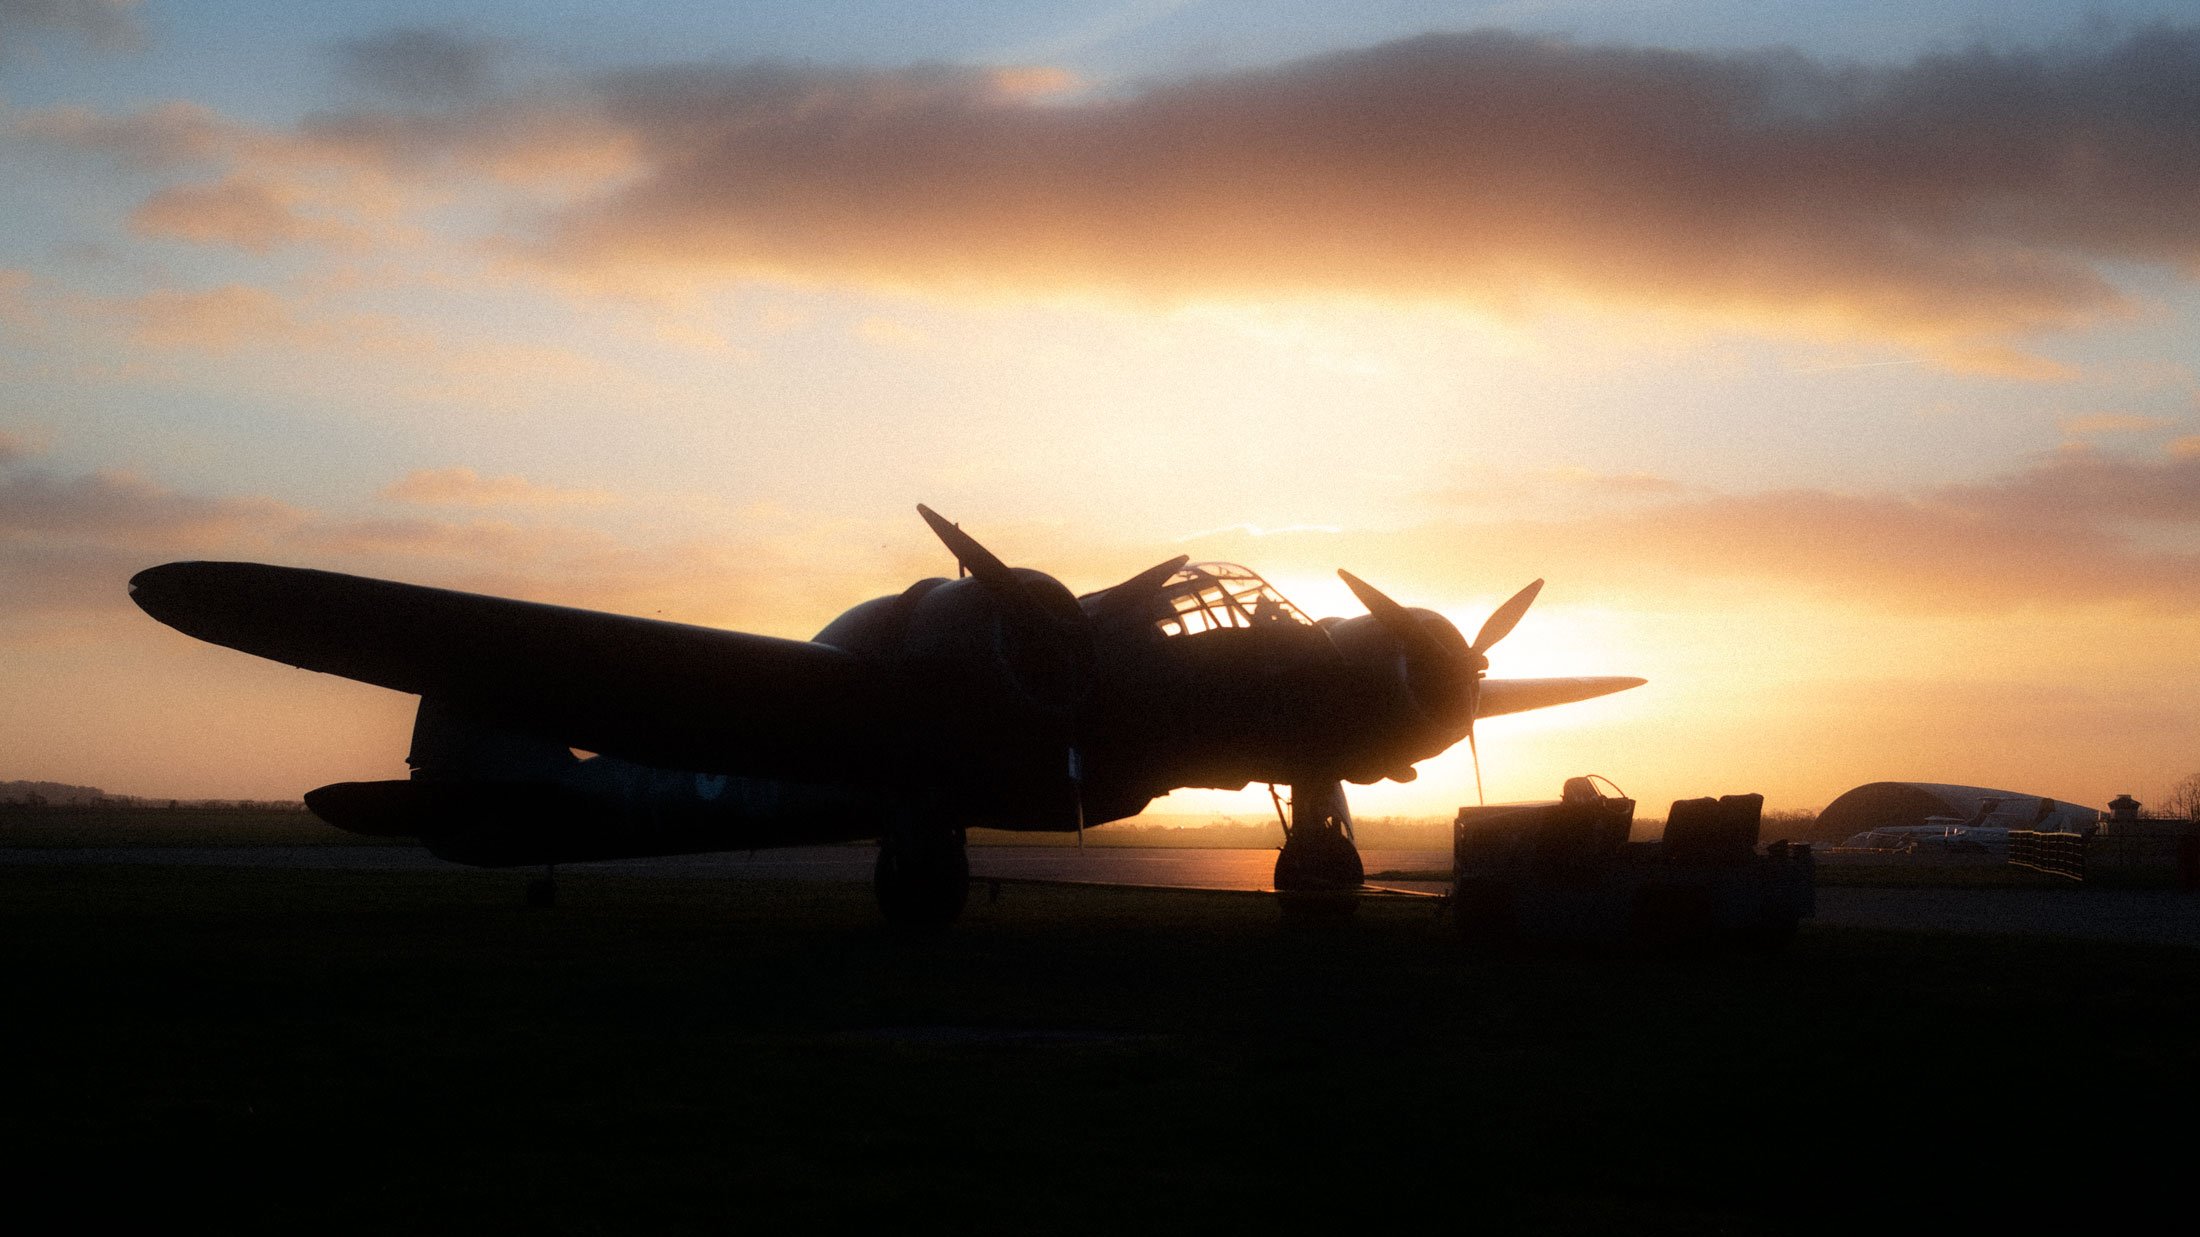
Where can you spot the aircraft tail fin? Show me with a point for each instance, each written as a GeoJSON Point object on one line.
{"type": "Point", "coordinates": [449, 744]}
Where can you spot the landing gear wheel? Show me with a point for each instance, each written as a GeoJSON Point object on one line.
{"type": "Point", "coordinates": [922, 878]}
{"type": "Point", "coordinates": [1319, 859]}
{"type": "Point", "coordinates": [1319, 874]}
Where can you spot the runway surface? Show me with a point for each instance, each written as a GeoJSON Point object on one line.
{"type": "Point", "coordinates": [2148, 915]}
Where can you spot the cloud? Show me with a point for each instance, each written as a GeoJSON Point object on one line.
{"type": "Point", "coordinates": [279, 337]}
{"type": "Point", "coordinates": [162, 137]}
{"type": "Point", "coordinates": [2086, 425]}
{"type": "Point", "coordinates": [2185, 448]}
{"type": "Point", "coordinates": [107, 24]}
{"type": "Point", "coordinates": [1956, 202]}
{"type": "Point", "coordinates": [252, 215]}
{"type": "Point", "coordinates": [242, 318]}
{"type": "Point", "coordinates": [1882, 552]}
{"type": "Point", "coordinates": [463, 487]}
{"type": "Point", "coordinates": [421, 64]}
{"type": "Point", "coordinates": [2085, 488]}
{"type": "Point", "coordinates": [342, 178]}
{"type": "Point", "coordinates": [68, 542]}
{"type": "Point", "coordinates": [219, 320]}
{"type": "Point", "coordinates": [2069, 534]}
{"type": "Point", "coordinates": [15, 447]}
{"type": "Point", "coordinates": [1959, 203]}
{"type": "Point", "coordinates": [113, 506]}
{"type": "Point", "coordinates": [1559, 489]}
{"type": "Point", "coordinates": [1254, 530]}
{"type": "Point", "coordinates": [2069, 531]}
{"type": "Point", "coordinates": [251, 187]}
{"type": "Point", "coordinates": [552, 143]}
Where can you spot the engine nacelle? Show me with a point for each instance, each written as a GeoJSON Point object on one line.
{"type": "Point", "coordinates": [1037, 655]}
{"type": "Point", "coordinates": [1436, 686]}
{"type": "Point", "coordinates": [1413, 695]}
{"type": "Point", "coordinates": [878, 627]}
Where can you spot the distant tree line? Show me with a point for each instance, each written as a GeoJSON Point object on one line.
{"type": "Point", "coordinates": [64, 795]}
{"type": "Point", "coordinates": [2182, 799]}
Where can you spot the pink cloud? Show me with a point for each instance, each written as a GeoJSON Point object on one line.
{"type": "Point", "coordinates": [249, 214]}
{"type": "Point", "coordinates": [2085, 425]}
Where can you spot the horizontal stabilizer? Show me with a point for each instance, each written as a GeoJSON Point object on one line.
{"type": "Point", "coordinates": [1519, 695]}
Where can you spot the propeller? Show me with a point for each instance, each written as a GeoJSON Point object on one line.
{"type": "Point", "coordinates": [997, 577]}
{"type": "Point", "coordinates": [1016, 593]}
{"type": "Point", "coordinates": [1061, 633]}
{"type": "Point", "coordinates": [1130, 596]}
{"type": "Point", "coordinates": [1445, 674]}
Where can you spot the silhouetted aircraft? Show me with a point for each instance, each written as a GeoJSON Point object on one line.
{"type": "Point", "coordinates": [996, 699]}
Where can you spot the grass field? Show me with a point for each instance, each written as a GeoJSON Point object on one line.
{"type": "Point", "coordinates": [354, 1052]}
{"type": "Point", "coordinates": [181, 826]}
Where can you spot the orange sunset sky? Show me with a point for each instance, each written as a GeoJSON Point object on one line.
{"type": "Point", "coordinates": [1836, 367]}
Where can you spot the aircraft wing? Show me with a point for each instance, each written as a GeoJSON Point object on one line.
{"type": "Point", "coordinates": [666, 694]}
{"type": "Point", "coordinates": [1519, 695]}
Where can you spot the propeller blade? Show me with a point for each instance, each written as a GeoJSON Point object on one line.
{"type": "Point", "coordinates": [1053, 653]}
{"type": "Point", "coordinates": [995, 575]}
{"type": "Point", "coordinates": [1498, 696]}
{"type": "Point", "coordinates": [1396, 619]}
{"type": "Point", "coordinates": [1109, 602]}
{"type": "Point", "coordinates": [1474, 710]}
{"type": "Point", "coordinates": [1476, 753]}
{"type": "Point", "coordinates": [1153, 577]}
{"type": "Point", "coordinates": [1379, 605]}
{"type": "Point", "coordinates": [975, 558]}
{"type": "Point", "coordinates": [1503, 619]}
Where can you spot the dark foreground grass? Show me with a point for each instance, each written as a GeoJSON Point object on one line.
{"type": "Point", "coordinates": [382, 1052]}
{"type": "Point", "coordinates": [100, 825]}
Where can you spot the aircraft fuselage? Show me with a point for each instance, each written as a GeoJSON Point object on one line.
{"type": "Point", "coordinates": [996, 699]}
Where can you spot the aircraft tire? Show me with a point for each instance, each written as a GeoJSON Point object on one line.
{"type": "Point", "coordinates": [1319, 861]}
{"type": "Point", "coordinates": [922, 879]}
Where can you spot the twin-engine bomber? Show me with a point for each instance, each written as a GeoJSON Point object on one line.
{"type": "Point", "coordinates": [996, 699]}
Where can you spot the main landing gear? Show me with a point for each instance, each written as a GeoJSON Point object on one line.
{"type": "Point", "coordinates": [923, 874]}
{"type": "Point", "coordinates": [1318, 872]}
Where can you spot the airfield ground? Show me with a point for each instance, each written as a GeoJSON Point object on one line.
{"type": "Point", "coordinates": [379, 1051]}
